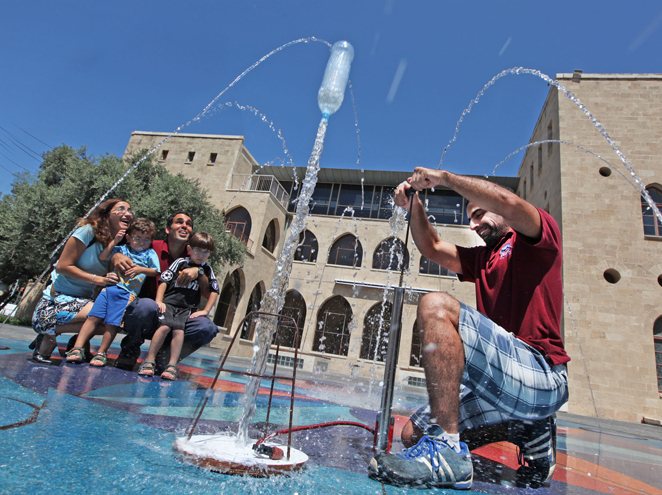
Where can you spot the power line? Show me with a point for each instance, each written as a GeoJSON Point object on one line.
{"type": "Point", "coordinates": [8, 171]}
{"type": "Point", "coordinates": [4, 145]}
{"type": "Point", "coordinates": [15, 145]}
{"type": "Point", "coordinates": [14, 162]}
{"type": "Point", "coordinates": [23, 147]}
{"type": "Point", "coordinates": [36, 138]}
{"type": "Point", "coordinates": [11, 147]}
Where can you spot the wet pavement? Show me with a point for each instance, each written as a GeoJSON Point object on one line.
{"type": "Point", "coordinates": [76, 428]}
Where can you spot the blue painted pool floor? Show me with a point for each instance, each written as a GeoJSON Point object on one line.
{"type": "Point", "coordinates": [74, 428]}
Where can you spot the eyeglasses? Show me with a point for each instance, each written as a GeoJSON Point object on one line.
{"type": "Point", "coordinates": [122, 210]}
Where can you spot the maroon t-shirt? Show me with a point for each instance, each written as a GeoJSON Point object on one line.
{"type": "Point", "coordinates": [518, 286]}
{"type": "Point", "coordinates": [161, 248]}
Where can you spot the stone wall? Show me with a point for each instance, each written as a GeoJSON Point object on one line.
{"type": "Point", "coordinates": [608, 326]}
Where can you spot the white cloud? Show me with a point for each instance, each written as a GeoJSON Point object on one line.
{"type": "Point", "coordinates": [646, 33]}
{"type": "Point", "coordinates": [505, 46]}
{"type": "Point", "coordinates": [397, 78]}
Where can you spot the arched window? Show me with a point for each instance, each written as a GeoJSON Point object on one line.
{"type": "Point", "coordinates": [294, 307]}
{"type": "Point", "coordinates": [270, 237]}
{"type": "Point", "coordinates": [416, 355]}
{"type": "Point", "coordinates": [346, 251]}
{"type": "Point", "coordinates": [307, 248]}
{"type": "Point", "coordinates": [248, 330]}
{"type": "Point", "coordinates": [391, 254]}
{"type": "Point", "coordinates": [652, 225]}
{"type": "Point", "coordinates": [429, 267]}
{"type": "Point", "coordinates": [228, 300]}
{"type": "Point", "coordinates": [238, 223]}
{"type": "Point", "coordinates": [657, 338]}
{"type": "Point", "coordinates": [332, 331]}
{"type": "Point", "coordinates": [375, 330]}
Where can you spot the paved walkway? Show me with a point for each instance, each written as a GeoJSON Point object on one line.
{"type": "Point", "coordinates": [76, 428]}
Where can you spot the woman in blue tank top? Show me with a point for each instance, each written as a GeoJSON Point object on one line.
{"type": "Point", "coordinates": [78, 272]}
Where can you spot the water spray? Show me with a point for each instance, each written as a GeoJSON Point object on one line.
{"type": "Point", "coordinates": [236, 454]}
{"type": "Point", "coordinates": [330, 97]}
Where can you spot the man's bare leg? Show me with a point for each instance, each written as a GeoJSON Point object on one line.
{"type": "Point", "coordinates": [440, 459]}
{"type": "Point", "coordinates": [443, 362]}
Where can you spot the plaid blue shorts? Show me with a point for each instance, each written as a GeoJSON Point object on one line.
{"type": "Point", "coordinates": [504, 378]}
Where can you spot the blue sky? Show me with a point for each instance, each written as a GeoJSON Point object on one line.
{"type": "Point", "coordinates": [87, 73]}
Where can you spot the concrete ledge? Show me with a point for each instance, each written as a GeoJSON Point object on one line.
{"type": "Point", "coordinates": [609, 426]}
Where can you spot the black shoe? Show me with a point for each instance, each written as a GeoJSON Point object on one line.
{"type": "Point", "coordinates": [36, 343]}
{"type": "Point", "coordinates": [129, 354]}
{"type": "Point", "coordinates": [536, 442]}
{"type": "Point", "coordinates": [486, 434]}
{"type": "Point", "coordinates": [125, 362]}
{"type": "Point", "coordinates": [38, 358]}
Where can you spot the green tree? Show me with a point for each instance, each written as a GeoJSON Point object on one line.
{"type": "Point", "coordinates": [41, 210]}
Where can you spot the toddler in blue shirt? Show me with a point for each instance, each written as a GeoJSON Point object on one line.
{"type": "Point", "coordinates": [112, 301]}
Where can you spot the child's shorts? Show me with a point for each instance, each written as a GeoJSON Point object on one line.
{"type": "Point", "coordinates": [110, 305]}
{"type": "Point", "coordinates": [175, 317]}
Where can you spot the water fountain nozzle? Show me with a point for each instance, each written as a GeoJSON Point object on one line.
{"type": "Point", "coordinates": [269, 451]}
{"type": "Point", "coordinates": [336, 75]}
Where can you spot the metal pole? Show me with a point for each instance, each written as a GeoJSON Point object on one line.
{"type": "Point", "coordinates": [390, 365]}
{"type": "Point", "coordinates": [391, 361]}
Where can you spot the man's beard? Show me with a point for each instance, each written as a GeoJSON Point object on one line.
{"type": "Point", "coordinates": [492, 235]}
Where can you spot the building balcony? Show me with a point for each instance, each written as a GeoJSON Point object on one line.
{"type": "Point", "coordinates": [265, 183]}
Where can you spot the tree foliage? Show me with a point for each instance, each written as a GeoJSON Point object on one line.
{"type": "Point", "coordinates": [41, 210]}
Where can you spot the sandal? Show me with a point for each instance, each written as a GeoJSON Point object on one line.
{"type": "Point", "coordinates": [99, 360]}
{"type": "Point", "coordinates": [170, 372]}
{"type": "Point", "coordinates": [70, 345]}
{"type": "Point", "coordinates": [76, 355]}
{"type": "Point", "coordinates": [146, 368]}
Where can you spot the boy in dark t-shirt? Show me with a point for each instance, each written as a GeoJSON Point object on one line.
{"type": "Point", "coordinates": [141, 317]}
{"type": "Point", "coordinates": [177, 302]}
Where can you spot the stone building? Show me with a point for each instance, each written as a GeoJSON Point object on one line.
{"type": "Point", "coordinates": [351, 253]}
{"type": "Point", "coordinates": [348, 256]}
{"type": "Point", "coordinates": [612, 251]}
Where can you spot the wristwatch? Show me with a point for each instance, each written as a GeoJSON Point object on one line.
{"type": "Point", "coordinates": [201, 271]}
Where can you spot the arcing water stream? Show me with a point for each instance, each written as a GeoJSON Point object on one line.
{"type": "Point", "coordinates": [574, 99]}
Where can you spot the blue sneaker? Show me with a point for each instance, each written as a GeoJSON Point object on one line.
{"type": "Point", "coordinates": [431, 462]}
{"type": "Point", "coordinates": [536, 442]}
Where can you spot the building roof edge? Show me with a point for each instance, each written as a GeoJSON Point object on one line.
{"type": "Point", "coordinates": [585, 75]}
{"type": "Point", "coordinates": [181, 134]}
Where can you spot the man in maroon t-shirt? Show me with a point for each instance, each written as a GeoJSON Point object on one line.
{"type": "Point", "coordinates": [502, 364]}
{"type": "Point", "coordinates": [141, 317]}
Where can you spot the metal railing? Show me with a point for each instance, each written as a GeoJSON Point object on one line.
{"type": "Point", "coordinates": [267, 183]}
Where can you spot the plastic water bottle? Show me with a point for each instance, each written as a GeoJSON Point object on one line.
{"type": "Point", "coordinates": [336, 75]}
